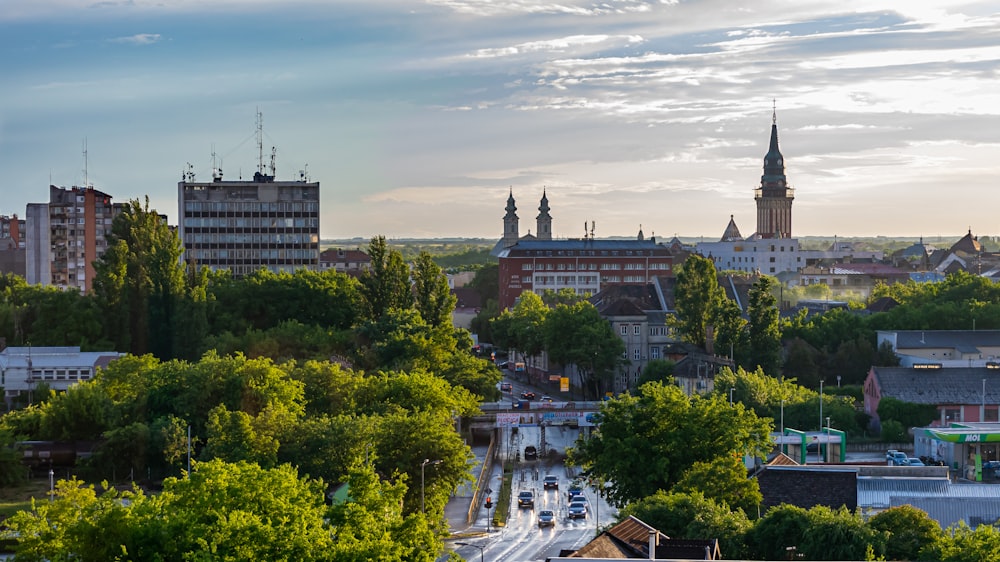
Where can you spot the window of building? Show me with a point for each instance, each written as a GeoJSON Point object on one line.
{"type": "Point", "coordinates": [654, 352]}
{"type": "Point", "coordinates": [636, 329]}
{"type": "Point", "coordinates": [624, 330]}
{"type": "Point", "coordinates": [636, 354]}
{"type": "Point", "coordinates": [525, 267]}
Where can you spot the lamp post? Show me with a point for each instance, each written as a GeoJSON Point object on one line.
{"type": "Point", "coordinates": [422, 465]}
{"type": "Point", "coordinates": [820, 415]}
{"type": "Point", "coordinates": [731, 389]}
{"type": "Point", "coordinates": [52, 485]}
{"type": "Point", "coordinates": [782, 425]}
{"type": "Point", "coordinates": [982, 409]}
{"type": "Point", "coordinates": [482, 548]}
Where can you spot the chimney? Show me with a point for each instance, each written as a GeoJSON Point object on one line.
{"type": "Point", "coordinates": [710, 339]}
{"type": "Point", "coordinates": [652, 543]}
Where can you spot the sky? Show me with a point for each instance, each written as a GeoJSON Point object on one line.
{"type": "Point", "coordinates": [419, 117]}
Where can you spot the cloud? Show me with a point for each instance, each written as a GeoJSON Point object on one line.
{"type": "Point", "coordinates": [138, 39]}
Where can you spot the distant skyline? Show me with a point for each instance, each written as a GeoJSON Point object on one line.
{"type": "Point", "coordinates": [417, 117]}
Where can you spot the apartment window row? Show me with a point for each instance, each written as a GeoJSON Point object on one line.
{"type": "Point", "coordinates": [258, 239]}
{"type": "Point", "coordinates": [278, 254]}
{"type": "Point", "coordinates": [242, 222]}
{"type": "Point", "coordinates": [252, 206]}
{"type": "Point", "coordinates": [636, 329]}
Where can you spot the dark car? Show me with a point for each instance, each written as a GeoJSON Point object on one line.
{"type": "Point", "coordinates": [528, 395]}
{"type": "Point", "coordinates": [551, 481]}
{"type": "Point", "coordinates": [506, 387]}
{"type": "Point", "coordinates": [575, 489]}
{"type": "Point", "coordinates": [526, 499]}
{"type": "Point", "coordinates": [546, 518]}
{"type": "Point", "coordinates": [530, 453]}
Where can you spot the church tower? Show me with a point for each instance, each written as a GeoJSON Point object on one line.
{"type": "Point", "coordinates": [510, 235]}
{"type": "Point", "coordinates": [544, 230]}
{"type": "Point", "coordinates": [774, 196]}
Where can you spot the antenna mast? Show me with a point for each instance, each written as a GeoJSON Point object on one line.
{"type": "Point", "coordinates": [260, 142]}
{"type": "Point", "coordinates": [86, 176]}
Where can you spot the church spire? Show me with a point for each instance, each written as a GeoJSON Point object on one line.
{"type": "Point", "coordinates": [544, 220]}
{"type": "Point", "coordinates": [774, 196]}
{"type": "Point", "coordinates": [510, 234]}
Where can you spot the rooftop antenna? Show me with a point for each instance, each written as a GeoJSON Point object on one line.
{"type": "Point", "coordinates": [592, 225]}
{"type": "Point", "coordinates": [216, 170]}
{"type": "Point", "coordinates": [304, 173]}
{"type": "Point", "coordinates": [260, 142]}
{"type": "Point", "coordinates": [774, 111]}
{"type": "Point", "coordinates": [274, 152]}
{"type": "Point", "coordinates": [86, 176]}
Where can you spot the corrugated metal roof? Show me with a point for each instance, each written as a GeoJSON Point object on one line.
{"type": "Point", "coordinates": [949, 512]}
{"type": "Point", "coordinates": [947, 385]}
{"type": "Point", "coordinates": [877, 492]}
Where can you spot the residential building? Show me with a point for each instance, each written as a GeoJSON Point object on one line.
{"type": "Point", "coordinates": [959, 394]}
{"type": "Point", "coordinates": [12, 245]}
{"type": "Point", "coordinates": [22, 369]}
{"type": "Point", "coordinates": [351, 262]}
{"type": "Point", "coordinates": [243, 226]}
{"type": "Point", "coordinates": [947, 348]}
{"type": "Point", "coordinates": [851, 278]}
{"type": "Point", "coordinates": [66, 235]}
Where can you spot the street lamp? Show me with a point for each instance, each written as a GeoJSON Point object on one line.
{"type": "Point", "coordinates": [52, 485]}
{"type": "Point", "coordinates": [820, 415]}
{"type": "Point", "coordinates": [731, 389]}
{"type": "Point", "coordinates": [482, 548]}
{"type": "Point", "coordinates": [422, 465]}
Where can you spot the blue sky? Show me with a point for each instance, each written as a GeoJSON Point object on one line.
{"type": "Point", "coordinates": [417, 117]}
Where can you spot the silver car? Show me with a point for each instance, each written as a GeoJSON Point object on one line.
{"type": "Point", "coordinates": [577, 510]}
{"type": "Point", "coordinates": [546, 518]}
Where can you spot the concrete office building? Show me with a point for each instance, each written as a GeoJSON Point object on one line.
{"type": "Point", "coordinates": [243, 226]}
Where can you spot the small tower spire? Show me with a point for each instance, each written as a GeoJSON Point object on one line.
{"type": "Point", "coordinates": [543, 229]}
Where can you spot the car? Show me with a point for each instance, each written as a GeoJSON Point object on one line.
{"type": "Point", "coordinates": [550, 481]}
{"type": "Point", "coordinates": [914, 461]}
{"type": "Point", "coordinates": [546, 398]}
{"type": "Point", "coordinates": [890, 454]}
{"type": "Point", "coordinates": [577, 510]}
{"type": "Point", "coordinates": [530, 453]}
{"type": "Point", "coordinates": [578, 498]}
{"type": "Point", "coordinates": [899, 459]}
{"type": "Point", "coordinates": [575, 489]}
{"type": "Point", "coordinates": [506, 387]}
{"type": "Point", "coordinates": [528, 395]}
{"type": "Point", "coordinates": [526, 498]}
{"type": "Point", "coordinates": [546, 518]}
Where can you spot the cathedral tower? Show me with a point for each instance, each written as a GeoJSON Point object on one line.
{"type": "Point", "coordinates": [774, 196]}
{"type": "Point", "coordinates": [510, 235]}
{"type": "Point", "coordinates": [544, 230]}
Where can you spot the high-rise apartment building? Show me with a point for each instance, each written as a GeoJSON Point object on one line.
{"type": "Point", "coordinates": [243, 226]}
{"type": "Point", "coordinates": [64, 236]}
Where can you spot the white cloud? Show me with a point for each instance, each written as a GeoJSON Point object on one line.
{"type": "Point", "coordinates": [138, 39]}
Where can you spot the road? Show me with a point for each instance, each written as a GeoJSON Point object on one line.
{"type": "Point", "coordinates": [521, 540]}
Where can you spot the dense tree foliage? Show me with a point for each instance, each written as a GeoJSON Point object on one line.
{"type": "Point", "coordinates": [386, 285]}
{"type": "Point", "coordinates": [763, 330]}
{"type": "Point", "coordinates": [692, 516]}
{"type": "Point", "coordinates": [819, 533]}
{"type": "Point", "coordinates": [651, 441]}
{"type": "Point", "coordinates": [908, 531]}
{"type": "Point", "coordinates": [576, 334]}
{"type": "Point", "coordinates": [697, 296]}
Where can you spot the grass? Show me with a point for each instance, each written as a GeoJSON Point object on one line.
{"type": "Point", "coordinates": [18, 498]}
{"type": "Point", "coordinates": [503, 498]}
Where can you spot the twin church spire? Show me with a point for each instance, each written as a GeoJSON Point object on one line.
{"type": "Point", "coordinates": [543, 223]}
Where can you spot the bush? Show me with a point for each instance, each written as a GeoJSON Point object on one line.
{"type": "Point", "coordinates": [893, 432]}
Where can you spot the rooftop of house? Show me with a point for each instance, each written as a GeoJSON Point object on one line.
{"type": "Point", "coordinates": [950, 339]}
{"type": "Point", "coordinates": [946, 385]}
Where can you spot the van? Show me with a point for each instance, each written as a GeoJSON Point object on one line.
{"type": "Point", "coordinates": [530, 453]}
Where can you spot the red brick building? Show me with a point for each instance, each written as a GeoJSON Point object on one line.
{"type": "Point", "coordinates": [583, 265]}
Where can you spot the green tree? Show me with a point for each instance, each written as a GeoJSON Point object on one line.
{"type": "Point", "coordinates": [908, 531]}
{"type": "Point", "coordinates": [906, 413]}
{"type": "Point", "coordinates": [577, 335]}
{"type": "Point", "coordinates": [962, 544]}
{"type": "Point", "coordinates": [724, 480]}
{"type": "Point", "coordinates": [139, 282]}
{"type": "Point", "coordinates": [523, 327]}
{"type": "Point", "coordinates": [692, 516]}
{"type": "Point", "coordinates": [657, 370]}
{"type": "Point", "coordinates": [764, 331]}
{"type": "Point", "coordinates": [648, 442]}
{"type": "Point", "coordinates": [697, 296]}
{"type": "Point", "coordinates": [386, 285]}
{"type": "Point", "coordinates": [433, 298]}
